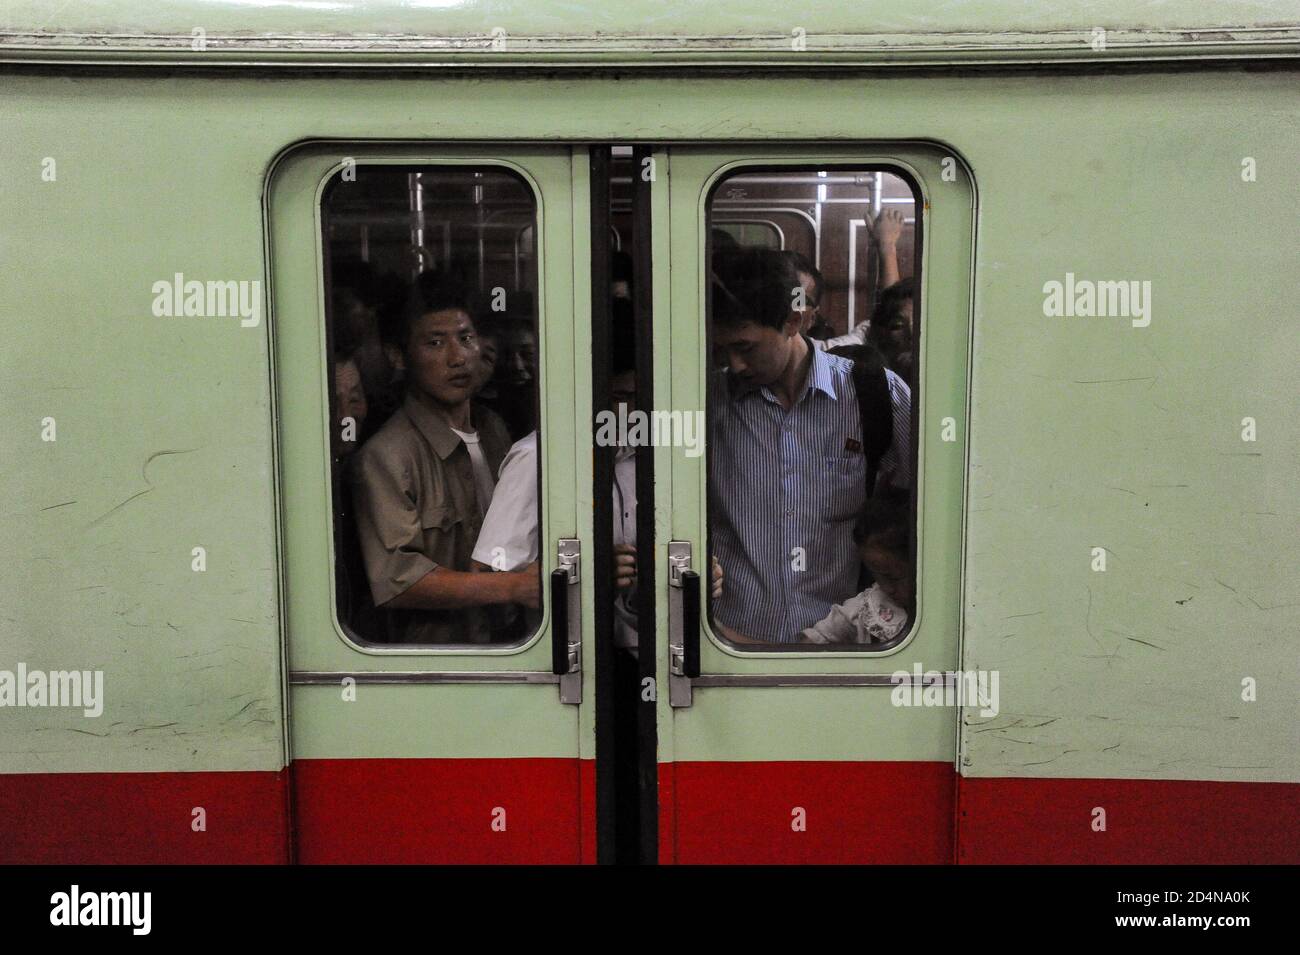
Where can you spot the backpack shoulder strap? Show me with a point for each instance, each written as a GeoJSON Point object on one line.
{"type": "Point", "coordinates": [875, 412]}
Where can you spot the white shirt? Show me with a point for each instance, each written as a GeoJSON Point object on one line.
{"type": "Point", "coordinates": [625, 533]}
{"type": "Point", "coordinates": [508, 538]}
{"type": "Point", "coordinates": [870, 617]}
{"type": "Point", "coordinates": [857, 336]}
{"type": "Point", "coordinates": [482, 473]}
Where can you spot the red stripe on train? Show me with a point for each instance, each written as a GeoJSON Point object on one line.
{"type": "Point", "coordinates": [903, 812]}
{"type": "Point", "coordinates": [749, 813]}
{"type": "Point", "coordinates": [1148, 821]}
{"type": "Point", "coordinates": [587, 812]}
{"type": "Point", "coordinates": [139, 818]}
{"type": "Point", "coordinates": [667, 814]}
{"type": "Point", "coordinates": [345, 810]}
{"type": "Point", "coordinates": [417, 810]}
{"type": "Point", "coordinates": [438, 810]}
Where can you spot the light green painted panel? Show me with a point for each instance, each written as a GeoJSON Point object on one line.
{"type": "Point", "coordinates": [584, 460]}
{"type": "Point", "coordinates": [1108, 176]}
{"type": "Point", "coordinates": [1089, 432]}
{"type": "Point", "coordinates": [163, 439]}
{"type": "Point", "coordinates": [661, 241]}
{"type": "Point", "coordinates": [810, 723]}
{"type": "Point", "coordinates": [457, 721]}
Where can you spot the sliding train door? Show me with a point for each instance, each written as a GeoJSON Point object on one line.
{"type": "Point", "coordinates": [806, 714]}
{"type": "Point", "coordinates": [460, 734]}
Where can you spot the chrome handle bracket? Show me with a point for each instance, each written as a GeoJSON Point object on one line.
{"type": "Point", "coordinates": [679, 685]}
{"type": "Point", "coordinates": [568, 558]}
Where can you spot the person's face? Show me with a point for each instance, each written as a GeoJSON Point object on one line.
{"type": "Point", "coordinates": [896, 336]}
{"type": "Point", "coordinates": [622, 392]}
{"type": "Point", "coordinates": [350, 400]}
{"type": "Point", "coordinates": [811, 304]}
{"type": "Point", "coordinates": [892, 572]}
{"type": "Point", "coordinates": [518, 363]}
{"type": "Point", "coordinates": [487, 353]}
{"type": "Point", "coordinates": [442, 357]}
{"type": "Point", "coordinates": [756, 354]}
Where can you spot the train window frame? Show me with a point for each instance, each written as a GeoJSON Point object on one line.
{"type": "Point", "coordinates": [356, 162]}
{"type": "Point", "coordinates": [921, 202]}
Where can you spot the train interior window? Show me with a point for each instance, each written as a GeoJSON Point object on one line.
{"type": "Point", "coordinates": [811, 296]}
{"type": "Point", "coordinates": [432, 330]}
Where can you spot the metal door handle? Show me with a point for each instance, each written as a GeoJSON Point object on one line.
{"type": "Point", "coordinates": [560, 621]}
{"type": "Point", "coordinates": [690, 624]}
{"type": "Point", "coordinates": [683, 623]}
{"type": "Point", "coordinates": [566, 621]}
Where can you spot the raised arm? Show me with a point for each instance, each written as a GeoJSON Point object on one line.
{"type": "Point", "coordinates": [888, 229]}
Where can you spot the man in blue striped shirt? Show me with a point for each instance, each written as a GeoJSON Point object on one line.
{"type": "Point", "coordinates": [786, 463]}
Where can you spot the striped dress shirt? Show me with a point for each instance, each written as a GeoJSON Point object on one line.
{"type": "Point", "coordinates": [785, 489]}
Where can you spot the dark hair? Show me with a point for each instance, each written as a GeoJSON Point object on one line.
{"type": "Point", "coordinates": [753, 285]}
{"type": "Point", "coordinates": [489, 327]}
{"type": "Point", "coordinates": [352, 279]}
{"type": "Point", "coordinates": [891, 301]}
{"type": "Point", "coordinates": [802, 264]}
{"type": "Point", "coordinates": [722, 240]}
{"type": "Point", "coordinates": [885, 518]}
{"type": "Point", "coordinates": [622, 337]}
{"type": "Point", "coordinates": [513, 326]}
{"type": "Point", "coordinates": [358, 278]}
{"type": "Point", "coordinates": [431, 292]}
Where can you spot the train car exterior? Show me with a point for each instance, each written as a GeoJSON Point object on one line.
{"type": "Point", "coordinates": [1106, 521]}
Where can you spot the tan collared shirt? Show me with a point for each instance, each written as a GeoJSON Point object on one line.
{"type": "Point", "coordinates": [416, 507]}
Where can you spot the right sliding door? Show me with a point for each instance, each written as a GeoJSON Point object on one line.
{"type": "Point", "coordinates": [815, 324]}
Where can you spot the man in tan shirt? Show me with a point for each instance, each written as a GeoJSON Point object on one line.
{"type": "Point", "coordinates": [422, 484]}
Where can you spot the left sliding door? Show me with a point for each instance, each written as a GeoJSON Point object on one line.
{"type": "Point", "coordinates": [424, 303]}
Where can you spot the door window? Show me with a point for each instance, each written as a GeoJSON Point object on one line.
{"type": "Point", "coordinates": [432, 325]}
{"type": "Point", "coordinates": [811, 506]}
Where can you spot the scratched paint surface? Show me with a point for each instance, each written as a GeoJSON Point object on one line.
{"type": "Point", "coordinates": [162, 442]}
{"type": "Point", "coordinates": [1084, 432]}
{"type": "Point", "coordinates": [1089, 432]}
